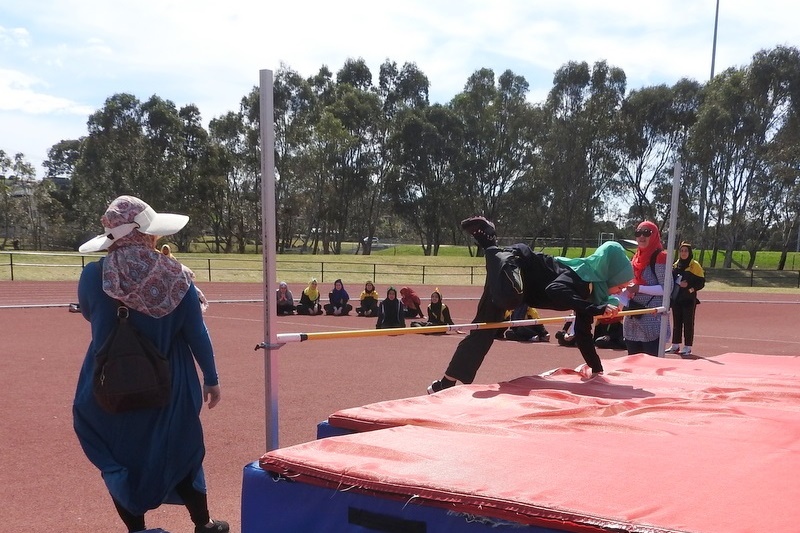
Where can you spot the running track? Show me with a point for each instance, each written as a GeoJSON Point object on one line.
{"type": "Point", "coordinates": [46, 483]}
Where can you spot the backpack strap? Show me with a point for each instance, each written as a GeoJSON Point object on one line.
{"type": "Point", "coordinates": [653, 259]}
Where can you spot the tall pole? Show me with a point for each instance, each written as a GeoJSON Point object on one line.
{"type": "Point", "coordinates": [704, 177]}
{"type": "Point", "coordinates": [714, 46]}
{"type": "Point", "coordinates": [668, 281]}
{"type": "Point", "coordinates": [267, 117]}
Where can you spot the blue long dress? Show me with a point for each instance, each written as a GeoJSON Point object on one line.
{"type": "Point", "coordinates": [142, 455]}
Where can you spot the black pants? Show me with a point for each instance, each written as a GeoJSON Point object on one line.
{"type": "Point", "coordinates": [683, 321]}
{"type": "Point", "coordinates": [196, 503]}
{"type": "Point", "coordinates": [538, 271]}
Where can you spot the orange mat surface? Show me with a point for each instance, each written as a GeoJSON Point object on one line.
{"type": "Point", "coordinates": [654, 445]}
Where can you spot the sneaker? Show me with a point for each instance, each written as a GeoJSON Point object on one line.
{"type": "Point", "coordinates": [687, 350]}
{"type": "Point", "coordinates": [566, 340]}
{"type": "Point", "coordinates": [438, 386]}
{"type": "Point", "coordinates": [510, 335]}
{"type": "Point", "coordinates": [217, 526]}
{"type": "Point", "coordinates": [481, 230]}
{"type": "Point", "coordinates": [603, 341]}
{"type": "Point", "coordinates": [544, 337]}
{"type": "Point", "coordinates": [675, 348]}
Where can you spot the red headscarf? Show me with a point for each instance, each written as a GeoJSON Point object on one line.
{"type": "Point", "coordinates": [410, 298]}
{"type": "Point", "coordinates": [641, 259]}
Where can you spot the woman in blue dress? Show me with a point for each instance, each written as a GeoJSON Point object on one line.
{"type": "Point", "coordinates": [147, 457]}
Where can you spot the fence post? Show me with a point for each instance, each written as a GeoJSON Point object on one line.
{"type": "Point", "coordinates": [11, 264]}
{"type": "Point", "coordinates": [423, 274]}
{"type": "Point", "coordinates": [322, 271]}
{"type": "Point", "coordinates": [375, 273]}
{"type": "Point", "coordinates": [751, 277]}
{"type": "Point", "coordinates": [209, 268]}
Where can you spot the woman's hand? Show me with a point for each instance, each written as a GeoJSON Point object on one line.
{"type": "Point", "coordinates": [211, 395]}
{"type": "Point", "coordinates": [610, 311]}
{"type": "Point", "coordinates": [632, 290]}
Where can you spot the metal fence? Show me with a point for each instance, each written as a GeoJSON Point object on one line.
{"type": "Point", "coordinates": [38, 266]}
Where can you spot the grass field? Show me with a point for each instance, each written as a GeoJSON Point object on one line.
{"type": "Point", "coordinates": [397, 265]}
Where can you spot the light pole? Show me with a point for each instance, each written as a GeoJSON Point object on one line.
{"type": "Point", "coordinates": [714, 46]}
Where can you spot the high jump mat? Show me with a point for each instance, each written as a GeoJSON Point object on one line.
{"type": "Point", "coordinates": [652, 446]}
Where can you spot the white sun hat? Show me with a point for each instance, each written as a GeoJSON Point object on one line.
{"type": "Point", "coordinates": [128, 213]}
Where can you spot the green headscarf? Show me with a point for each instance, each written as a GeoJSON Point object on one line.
{"type": "Point", "coordinates": [608, 266]}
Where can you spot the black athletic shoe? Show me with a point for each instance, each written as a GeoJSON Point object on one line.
{"type": "Point", "coordinates": [439, 385]}
{"type": "Point", "coordinates": [217, 526]}
{"type": "Point", "coordinates": [481, 230]}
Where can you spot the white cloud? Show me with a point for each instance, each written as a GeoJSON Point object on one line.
{"type": "Point", "coordinates": [17, 93]}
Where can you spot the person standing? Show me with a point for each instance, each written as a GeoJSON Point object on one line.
{"type": "Point", "coordinates": [689, 278]}
{"type": "Point", "coordinates": [649, 263]}
{"type": "Point", "coordinates": [147, 457]}
{"type": "Point", "coordinates": [583, 285]}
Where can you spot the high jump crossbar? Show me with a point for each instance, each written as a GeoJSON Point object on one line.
{"type": "Point", "coordinates": [284, 338]}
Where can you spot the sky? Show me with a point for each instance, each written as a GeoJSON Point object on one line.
{"type": "Point", "coordinates": [61, 59]}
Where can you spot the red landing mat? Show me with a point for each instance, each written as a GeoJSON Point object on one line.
{"type": "Point", "coordinates": [654, 445]}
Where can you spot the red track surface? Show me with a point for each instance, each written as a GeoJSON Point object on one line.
{"type": "Point", "coordinates": [46, 483]}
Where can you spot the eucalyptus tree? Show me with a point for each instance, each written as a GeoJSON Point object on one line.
{"type": "Point", "coordinates": [228, 222]}
{"type": "Point", "coordinates": [743, 111]}
{"type": "Point", "coordinates": [426, 147]}
{"type": "Point", "coordinates": [351, 125]}
{"type": "Point", "coordinates": [774, 206]}
{"type": "Point", "coordinates": [653, 126]}
{"type": "Point", "coordinates": [293, 103]}
{"type": "Point", "coordinates": [111, 159]}
{"type": "Point", "coordinates": [61, 160]}
{"type": "Point", "coordinates": [18, 207]}
{"type": "Point", "coordinates": [195, 169]}
{"type": "Point", "coordinates": [499, 139]}
{"type": "Point", "coordinates": [579, 148]}
{"type": "Point", "coordinates": [400, 89]}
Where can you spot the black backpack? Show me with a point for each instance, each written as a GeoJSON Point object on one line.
{"type": "Point", "coordinates": [504, 279]}
{"type": "Point", "coordinates": [129, 371]}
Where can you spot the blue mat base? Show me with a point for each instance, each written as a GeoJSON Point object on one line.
{"type": "Point", "coordinates": [325, 430]}
{"type": "Point", "coordinates": [284, 506]}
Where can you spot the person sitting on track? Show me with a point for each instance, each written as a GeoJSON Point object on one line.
{"type": "Point", "coordinates": [519, 274]}
{"type": "Point", "coordinates": [309, 300]}
{"type": "Point", "coordinates": [390, 311]}
{"type": "Point", "coordinates": [369, 301]}
{"type": "Point", "coordinates": [337, 300]}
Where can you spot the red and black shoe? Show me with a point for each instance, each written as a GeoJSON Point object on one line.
{"type": "Point", "coordinates": [481, 230]}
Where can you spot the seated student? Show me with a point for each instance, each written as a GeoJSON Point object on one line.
{"type": "Point", "coordinates": [285, 299]}
{"type": "Point", "coordinates": [390, 311]}
{"type": "Point", "coordinates": [369, 301]}
{"type": "Point", "coordinates": [519, 274]}
{"type": "Point", "coordinates": [438, 312]}
{"type": "Point", "coordinates": [337, 300]}
{"type": "Point", "coordinates": [535, 333]}
{"type": "Point", "coordinates": [411, 303]}
{"type": "Point", "coordinates": [608, 334]}
{"type": "Point", "coordinates": [309, 300]}
{"type": "Point", "coordinates": [566, 335]}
